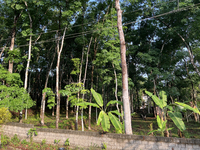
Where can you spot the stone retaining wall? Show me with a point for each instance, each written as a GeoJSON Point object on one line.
{"type": "Point", "coordinates": [95, 139]}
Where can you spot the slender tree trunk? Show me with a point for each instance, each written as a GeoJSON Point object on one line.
{"type": "Point", "coordinates": [67, 107]}
{"type": "Point", "coordinates": [79, 81]}
{"type": "Point", "coordinates": [42, 109]}
{"type": "Point", "coordinates": [116, 97]}
{"type": "Point", "coordinates": [57, 79]}
{"type": "Point", "coordinates": [28, 61]}
{"type": "Point", "coordinates": [127, 113]}
{"type": "Point", "coordinates": [86, 65]}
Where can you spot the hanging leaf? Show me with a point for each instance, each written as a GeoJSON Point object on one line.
{"type": "Point", "coordinates": [177, 119]}
{"type": "Point", "coordinates": [115, 122]}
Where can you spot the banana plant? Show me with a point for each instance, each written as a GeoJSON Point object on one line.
{"type": "Point", "coordinates": [104, 117]}
{"type": "Point", "coordinates": [175, 115]}
{"type": "Point", "coordinates": [161, 125]}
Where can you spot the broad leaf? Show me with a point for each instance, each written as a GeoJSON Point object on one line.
{"type": "Point", "coordinates": [114, 102]}
{"type": "Point", "coordinates": [97, 97]}
{"type": "Point", "coordinates": [116, 112]}
{"type": "Point", "coordinates": [115, 122]}
{"type": "Point", "coordinates": [170, 108]}
{"type": "Point", "coordinates": [163, 98]}
{"type": "Point", "coordinates": [159, 121]}
{"type": "Point", "coordinates": [188, 107]}
{"type": "Point", "coordinates": [152, 131]}
{"type": "Point", "coordinates": [177, 119]}
{"type": "Point", "coordinates": [105, 122]}
{"type": "Point", "coordinates": [83, 104]}
{"type": "Point", "coordinates": [100, 117]}
{"type": "Point", "coordinates": [155, 99]}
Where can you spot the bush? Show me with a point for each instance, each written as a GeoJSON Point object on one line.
{"type": "Point", "coordinates": [5, 115]}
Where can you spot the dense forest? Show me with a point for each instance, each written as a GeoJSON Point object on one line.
{"type": "Point", "coordinates": [52, 52]}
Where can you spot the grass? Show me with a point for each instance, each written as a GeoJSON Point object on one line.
{"type": "Point", "coordinates": [139, 126]}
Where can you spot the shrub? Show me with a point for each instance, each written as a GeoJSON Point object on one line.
{"type": "Point", "coordinates": [5, 115]}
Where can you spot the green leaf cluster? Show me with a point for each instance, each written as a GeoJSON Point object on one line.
{"type": "Point", "coordinates": [104, 117]}
{"type": "Point", "coordinates": [12, 95]}
{"type": "Point", "coordinates": [51, 97]}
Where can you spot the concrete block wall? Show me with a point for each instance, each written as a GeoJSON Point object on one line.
{"type": "Point", "coordinates": [113, 141]}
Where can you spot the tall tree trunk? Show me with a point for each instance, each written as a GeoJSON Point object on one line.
{"type": "Point", "coordinates": [92, 80]}
{"type": "Point", "coordinates": [116, 97]}
{"type": "Point", "coordinates": [85, 74]}
{"type": "Point", "coordinates": [79, 81]}
{"type": "Point", "coordinates": [67, 107]}
{"type": "Point", "coordinates": [42, 109]}
{"type": "Point", "coordinates": [28, 61]}
{"type": "Point", "coordinates": [127, 113]}
{"type": "Point", "coordinates": [12, 43]}
{"type": "Point", "coordinates": [59, 51]}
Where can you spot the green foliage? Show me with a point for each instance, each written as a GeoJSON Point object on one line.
{"type": "Point", "coordinates": [32, 132]}
{"type": "Point", "coordinates": [175, 109]}
{"type": "Point", "coordinates": [4, 140]}
{"type": "Point", "coordinates": [104, 117]}
{"type": "Point", "coordinates": [177, 119]}
{"type": "Point", "coordinates": [5, 115]}
{"type": "Point", "coordinates": [24, 142]}
{"type": "Point", "coordinates": [56, 141]}
{"type": "Point", "coordinates": [161, 126]}
{"type": "Point", "coordinates": [97, 97]}
{"type": "Point", "coordinates": [72, 90]}
{"type": "Point", "coordinates": [188, 107]}
{"type": "Point", "coordinates": [51, 97]}
{"type": "Point", "coordinates": [104, 146]}
{"type": "Point", "coordinates": [67, 143]}
{"type": "Point", "coordinates": [43, 142]}
{"type": "Point", "coordinates": [76, 62]}
{"type": "Point", "coordinates": [15, 139]}
{"type": "Point", "coordinates": [12, 95]}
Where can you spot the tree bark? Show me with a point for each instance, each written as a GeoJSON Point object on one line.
{"type": "Point", "coordinates": [12, 43]}
{"type": "Point", "coordinates": [59, 50]}
{"type": "Point", "coordinates": [126, 103]}
{"type": "Point", "coordinates": [42, 109]}
{"type": "Point", "coordinates": [28, 61]}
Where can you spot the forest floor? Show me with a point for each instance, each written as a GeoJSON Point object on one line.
{"type": "Point", "coordinates": [139, 126]}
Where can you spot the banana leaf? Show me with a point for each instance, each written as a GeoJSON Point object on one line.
{"type": "Point", "coordinates": [155, 99]}
{"type": "Point", "coordinates": [114, 102]}
{"type": "Point", "coordinates": [116, 112]}
{"type": "Point", "coordinates": [104, 120]}
{"type": "Point", "coordinates": [83, 104]}
{"type": "Point", "coordinates": [97, 97]}
{"type": "Point", "coordinates": [188, 107]}
{"type": "Point", "coordinates": [115, 122]}
{"type": "Point", "coordinates": [159, 121]}
{"type": "Point", "coordinates": [177, 119]}
{"type": "Point", "coordinates": [163, 98]}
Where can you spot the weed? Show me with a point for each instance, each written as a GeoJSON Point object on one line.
{"type": "Point", "coordinates": [67, 143]}
{"type": "Point", "coordinates": [15, 140]}
{"type": "Point", "coordinates": [104, 146]}
{"type": "Point", "coordinates": [56, 141]}
{"type": "Point", "coordinates": [24, 142]}
{"type": "Point", "coordinates": [5, 140]}
{"type": "Point", "coordinates": [43, 142]}
{"type": "Point", "coordinates": [31, 133]}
